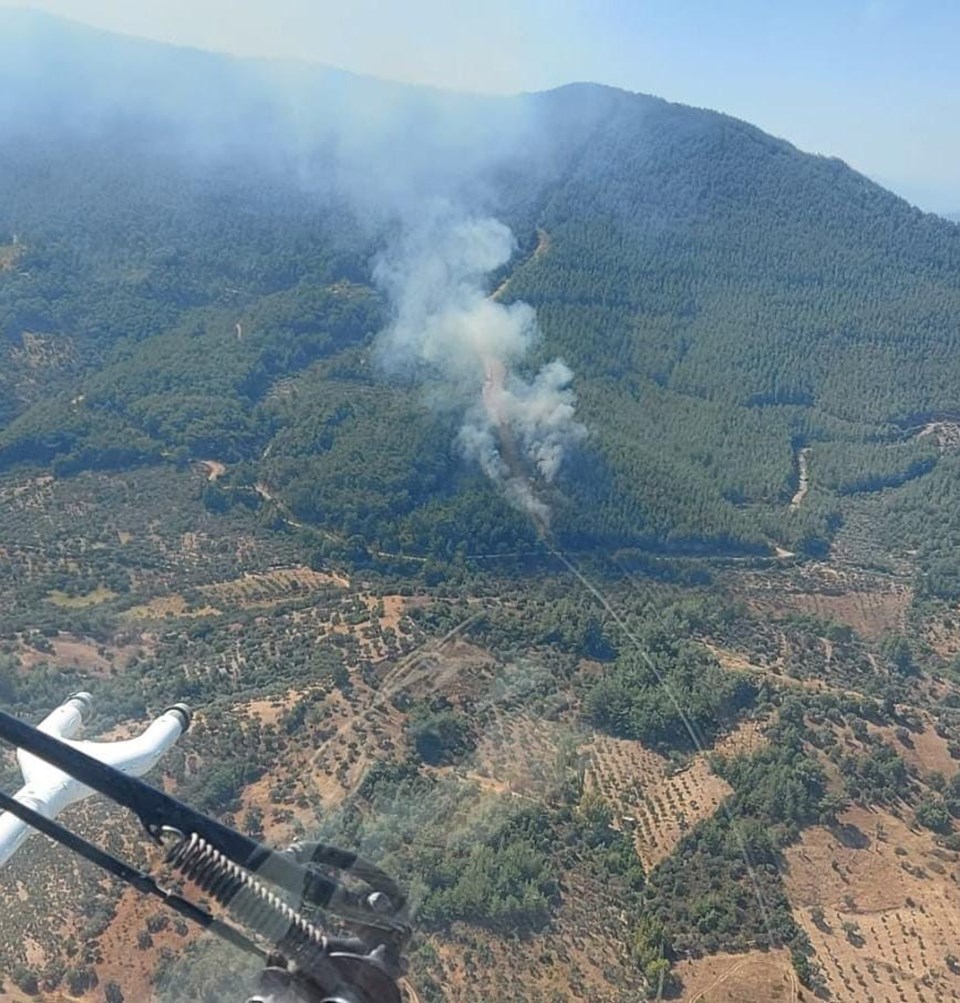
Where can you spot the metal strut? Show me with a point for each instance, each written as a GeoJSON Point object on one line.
{"type": "Point", "coordinates": [303, 963]}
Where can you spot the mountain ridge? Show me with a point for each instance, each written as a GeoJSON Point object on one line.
{"type": "Point", "coordinates": [35, 21]}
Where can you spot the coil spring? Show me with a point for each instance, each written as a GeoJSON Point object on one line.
{"type": "Point", "coordinates": [247, 900]}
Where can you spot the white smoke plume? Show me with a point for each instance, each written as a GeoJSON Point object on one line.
{"type": "Point", "coordinates": [445, 324]}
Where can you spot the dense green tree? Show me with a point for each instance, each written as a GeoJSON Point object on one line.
{"type": "Point", "coordinates": [730, 306]}
{"type": "Point", "coordinates": [677, 697]}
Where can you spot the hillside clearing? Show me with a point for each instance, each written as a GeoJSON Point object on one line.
{"type": "Point", "coordinates": [752, 977]}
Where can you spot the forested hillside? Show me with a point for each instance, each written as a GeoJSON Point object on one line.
{"type": "Point", "coordinates": [187, 272]}
{"type": "Point", "coordinates": [692, 731]}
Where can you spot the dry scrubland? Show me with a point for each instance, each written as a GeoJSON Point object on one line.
{"type": "Point", "coordinates": [880, 903]}
{"type": "Point", "coordinates": [216, 598]}
{"type": "Point", "coordinates": [737, 978]}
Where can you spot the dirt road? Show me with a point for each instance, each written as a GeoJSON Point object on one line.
{"type": "Point", "coordinates": [804, 478]}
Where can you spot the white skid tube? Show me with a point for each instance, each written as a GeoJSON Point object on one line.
{"type": "Point", "coordinates": [48, 790]}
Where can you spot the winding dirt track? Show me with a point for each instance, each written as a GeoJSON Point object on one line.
{"type": "Point", "coordinates": [215, 469]}
{"type": "Point", "coordinates": [412, 994]}
{"type": "Point", "coordinates": [543, 245]}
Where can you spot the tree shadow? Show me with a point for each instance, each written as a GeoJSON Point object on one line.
{"type": "Point", "coordinates": [849, 836]}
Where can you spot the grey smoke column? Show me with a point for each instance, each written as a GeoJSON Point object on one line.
{"type": "Point", "coordinates": [446, 326]}
{"type": "Point", "coordinates": [49, 790]}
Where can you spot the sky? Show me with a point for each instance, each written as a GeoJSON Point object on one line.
{"type": "Point", "coordinates": [874, 82]}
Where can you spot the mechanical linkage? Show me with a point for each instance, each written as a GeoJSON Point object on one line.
{"type": "Point", "coordinates": [255, 885]}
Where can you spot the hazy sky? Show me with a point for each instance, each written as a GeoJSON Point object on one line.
{"type": "Point", "coordinates": [876, 82]}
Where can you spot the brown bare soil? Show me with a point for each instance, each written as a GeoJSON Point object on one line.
{"type": "Point", "coordinates": [733, 660]}
{"type": "Point", "coordinates": [872, 603]}
{"type": "Point", "coordinates": [752, 977]}
{"type": "Point", "coordinates": [124, 962]}
{"type": "Point", "coordinates": [544, 243]}
{"type": "Point", "coordinates": [269, 711]}
{"type": "Point", "coordinates": [317, 778]}
{"type": "Point", "coordinates": [10, 994]}
{"type": "Point", "coordinates": [9, 254]}
{"type": "Point", "coordinates": [943, 634]}
{"type": "Point", "coordinates": [745, 739]}
{"type": "Point", "coordinates": [214, 468]}
{"type": "Point", "coordinates": [368, 630]}
{"type": "Point", "coordinates": [393, 609]}
{"type": "Point", "coordinates": [68, 652]}
{"type": "Point", "coordinates": [870, 614]}
{"type": "Point", "coordinates": [895, 890]}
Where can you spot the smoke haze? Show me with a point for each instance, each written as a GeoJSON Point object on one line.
{"type": "Point", "coordinates": [425, 170]}
{"type": "Point", "coordinates": [448, 329]}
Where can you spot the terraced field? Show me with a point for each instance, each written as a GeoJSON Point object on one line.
{"type": "Point", "coordinates": [277, 584]}
{"type": "Point", "coordinates": [652, 799]}
{"type": "Point", "coordinates": [518, 754]}
{"type": "Point", "coordinates": [872, 603]}
{"type": "Point", "coordinates": [880, 904]}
